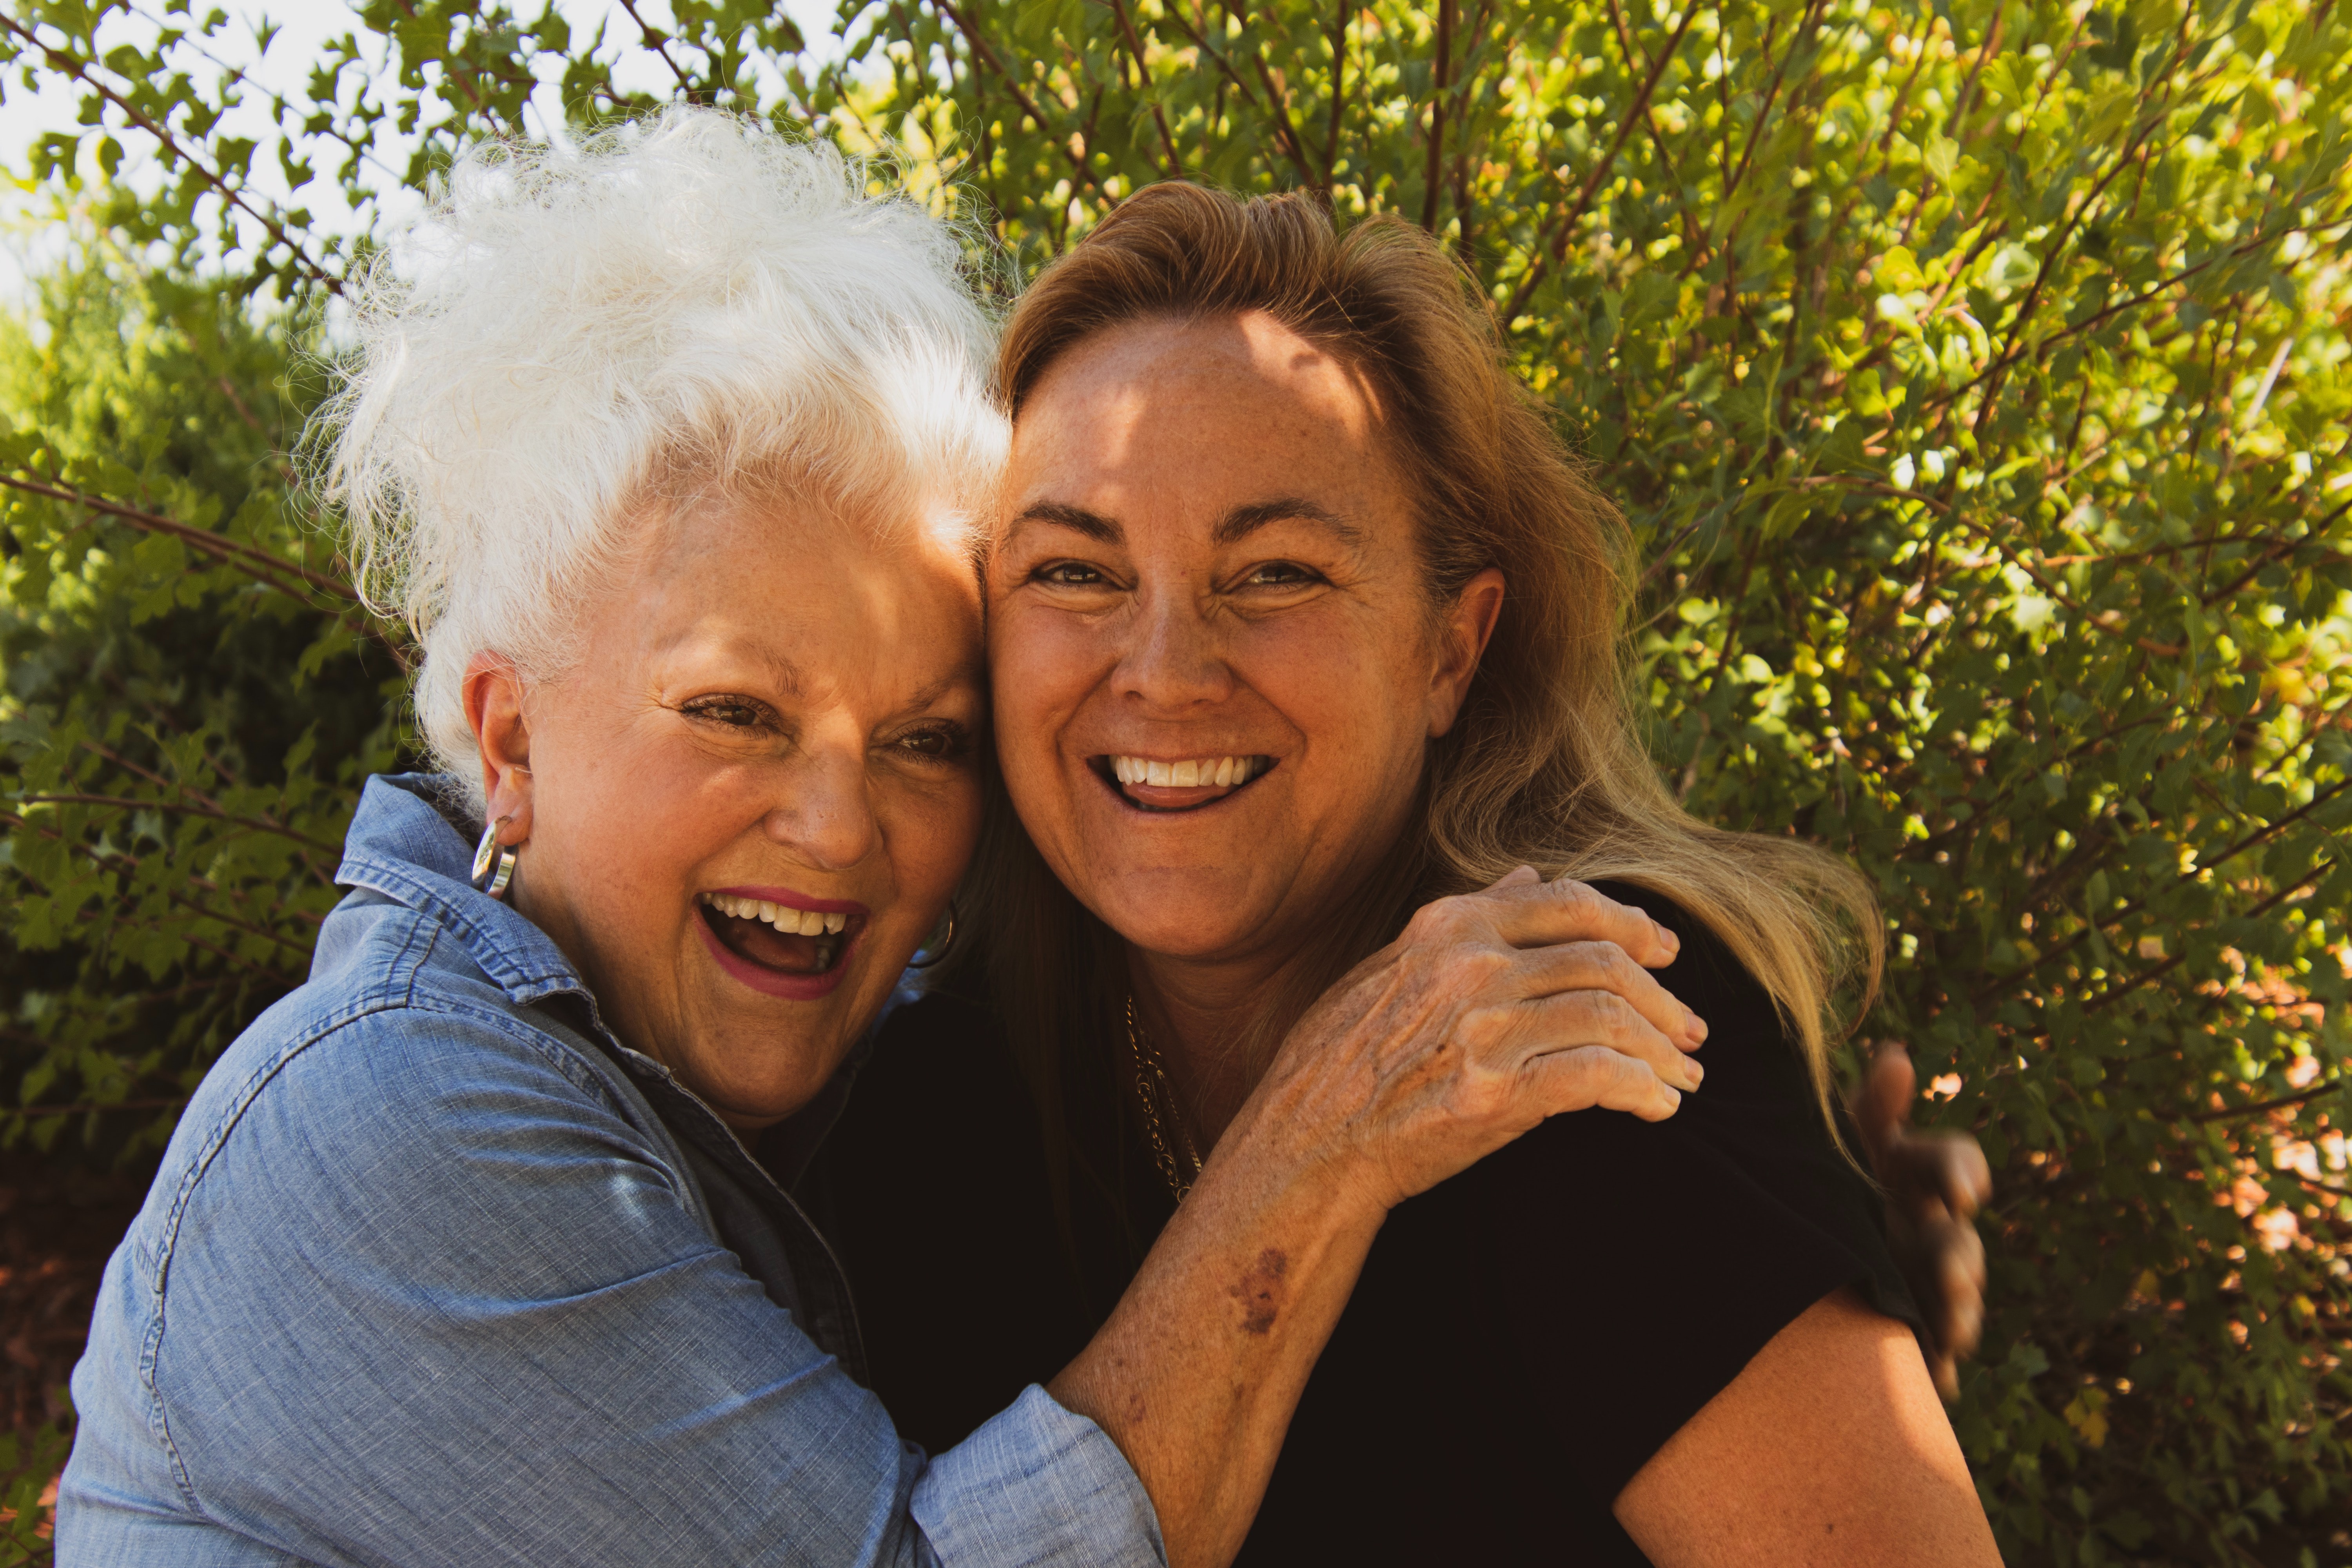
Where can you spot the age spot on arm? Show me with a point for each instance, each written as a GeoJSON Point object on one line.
{"type": "Point", "coordinates": [1260, 1291]}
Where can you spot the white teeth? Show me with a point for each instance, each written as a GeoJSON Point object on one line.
{"type": "Point", "coordinates": [787, 920]}
{"type": "Point", "coordinates": [1192, 772]}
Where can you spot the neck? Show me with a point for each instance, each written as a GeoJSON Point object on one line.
{"type": "Point", "coordinates": [1203, 1014]}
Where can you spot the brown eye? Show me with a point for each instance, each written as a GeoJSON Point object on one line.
{"type": "Point", "coordinates": [732, 712]}
{"type": "Point", "coordinates": [1068, 574]}
{"type": "Point", "coordinates": [1281, 574]}
{"type": "Point", "coordinates": [941, 744]}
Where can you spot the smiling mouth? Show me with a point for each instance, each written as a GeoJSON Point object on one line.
{"type": "Point", "coordinates": [778, 938]}
{"type": "Point", "coordinates": [1150, 783]}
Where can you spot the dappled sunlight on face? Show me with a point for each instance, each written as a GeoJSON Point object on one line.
{"type": "Point", "coordinates": [1212, 648]}
{"type": "Point", "coordinates": [753, 792]}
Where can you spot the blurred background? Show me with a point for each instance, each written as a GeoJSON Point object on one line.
{"type": "Point", "coordinates": [1975, 374]}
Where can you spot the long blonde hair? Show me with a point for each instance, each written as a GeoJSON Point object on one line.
{"type": "Point", "coordinates": [1545, 765]}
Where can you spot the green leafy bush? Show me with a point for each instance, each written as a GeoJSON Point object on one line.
{"type": "Point", "coordinates": [28, 1463]}
{"type": "Point", "coordinates": [1975, 374]}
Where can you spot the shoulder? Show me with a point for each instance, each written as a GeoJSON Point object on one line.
{"type": "Point", "coordinates": [1746, 1037]}
{"type": "Point", "coordinates": [1755, 1127]}
{"type": "Point", "coordinates": [399, 1085]}
{"type": "Point", "coordinates": [1686, 1244]}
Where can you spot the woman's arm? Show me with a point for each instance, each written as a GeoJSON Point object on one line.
{"type": "Point", "coordinates": [1935, 1181]}
{"type": "Point", "coordinates": [1493, 1012]}
{"type": "Point", "coordinates": [1830, 1449]}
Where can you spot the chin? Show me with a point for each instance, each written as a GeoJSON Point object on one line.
{"type": "Point", "coordinates": [796, 1067]}
{"type": "Point", "coordinates": [1210, 930]}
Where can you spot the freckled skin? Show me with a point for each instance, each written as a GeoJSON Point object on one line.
{"type": "Point", "coordinates": [1309, 639]}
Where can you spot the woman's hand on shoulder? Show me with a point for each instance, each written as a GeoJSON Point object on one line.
{"type": "Point", "coordinates": [1934, 1181]}
{"type": "Point", "coordinates": [1493, 1011]}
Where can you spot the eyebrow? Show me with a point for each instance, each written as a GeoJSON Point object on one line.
{"type": "Point", "coordinates": [972, 673]}
{"type": "Point", "coordinates": [1244, 520]}
{"type": "Point", "coordinates": [1078, 519]}
{"type": "Point", "coordinates": [782, 671]}
{"type": "Point", "coordinates": [1232, 529]}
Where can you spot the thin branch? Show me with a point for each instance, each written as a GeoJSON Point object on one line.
{"type": "Point", "coordinates": [31, 1112]}
{"type": "Point", "coordinates": [1541, 263]}
{"type": "Point", "coordinates": [128, 803]}
{"type": "Point", "coordinates": [1143, 83]}
{"type": "Point", "coordinates": [2282, 1103]}
{"type": "Point", "coordinates": [1996, 987]}
{"type": "Point", "coordinates": [257, 565]}
{"type": "Point", "coordinates": [199, 796]}
{"type": "Point", "coordinates": [214, 544]}
{"type": "Point", "coordinates": [2129, 983]}
{"type": "Point", "coordinates": [1340, 91]}
{"type": "Point", "coordinates": [987, 57]}
{"type": "Point", "coordinates": [1286, 130]}
{"type": "Point", "coordinates": [658, 41]}
{"type": "Point", "coordinates": [1429, 181]}
{"type": "Point", "coordinates": [77, 68]}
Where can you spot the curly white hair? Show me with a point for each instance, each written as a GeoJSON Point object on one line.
{"type": "Point", "coordinates": [684, 308]}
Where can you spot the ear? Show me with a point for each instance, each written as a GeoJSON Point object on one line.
{"type": "Point", "coordinates": [1462, 634]}
{"type": "Point", "coordinates": [494, 710]}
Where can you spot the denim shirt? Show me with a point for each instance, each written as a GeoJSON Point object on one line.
{"type": "Point", "coordinates": [437, 1272]}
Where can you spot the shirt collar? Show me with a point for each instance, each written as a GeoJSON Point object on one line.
{"type": "Point", "coordinates": [409, 842]}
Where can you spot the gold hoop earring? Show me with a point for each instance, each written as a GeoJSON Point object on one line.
{"type": "Point", "coordinates": [935, 954]}
{"type": "Point", "coordinates": [494, 863]}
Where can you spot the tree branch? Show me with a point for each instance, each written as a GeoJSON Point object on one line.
{"type": "Point", "coordinates": [987, 57]}
{"type": "Point", "coordinates": [1539, 265]}
{"type": "Point", "coordinates": [128, 803]}
{"type": "Point", "coordinates": [77, 68]}
{"type": "Point", "coordinates": [2282, 1103]}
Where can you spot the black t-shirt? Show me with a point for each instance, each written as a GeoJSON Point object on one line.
{"type": "Point", "coordinates": [1523, 1339]}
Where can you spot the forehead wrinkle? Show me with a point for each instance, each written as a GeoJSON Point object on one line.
{"type": "Point", "coordinates": [698, 637]}
{"type": "Point", "coordinates": [1245, 520]}
{"type": "Point", "coordinates": [971, 673]}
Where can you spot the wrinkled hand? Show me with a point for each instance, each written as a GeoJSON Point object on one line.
{"type": "Point", "coordinates": [1492, 1011]}
{"type": "Point", "coordinates": [1934, 1182]}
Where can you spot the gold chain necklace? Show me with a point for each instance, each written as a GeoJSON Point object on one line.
{"type": "Point", "coordinates": [1150, 1076]}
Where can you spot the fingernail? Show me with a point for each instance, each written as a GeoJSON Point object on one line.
{"type": "Point", "coordinates": [1674, 1097]}
{"type": "Point", "coordinates": [1693, 1025]}
{"type": "Point", "coordinates": [1673, 943]}
{"type": "Point", "coordinates": [1697, 1073]}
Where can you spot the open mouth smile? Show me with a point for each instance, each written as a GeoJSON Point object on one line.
{"type": "Point", "coordinates": [1188, 784]}
{"type": "Point", "coordinates": [779, 941]}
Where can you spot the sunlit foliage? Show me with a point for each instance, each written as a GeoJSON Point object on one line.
{"type": "Point", "coordinates": [1974, 375]}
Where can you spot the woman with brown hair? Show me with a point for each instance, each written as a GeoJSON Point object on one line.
{"type": "Point", "coordinates": [1300, 617]}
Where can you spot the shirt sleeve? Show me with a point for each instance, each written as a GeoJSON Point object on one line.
{"type": "Point", "coordinates": [433, 1298]}
{"type": "Point", "coordinates": [1641, 1266]}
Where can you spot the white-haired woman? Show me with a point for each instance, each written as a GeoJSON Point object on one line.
{"type": "Point", "coordinates": [460, 1254]}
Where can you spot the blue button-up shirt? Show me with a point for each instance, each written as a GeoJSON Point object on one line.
{"type": "Point", "coordinates": [436, 1271]}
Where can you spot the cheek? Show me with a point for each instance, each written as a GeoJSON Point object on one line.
{"type": "Point", "coordinates": [932, 833]}
{"type": "Point", "coordinates": [1352, 683]}
{"type": "Point", "coordinates": [1041, 667]}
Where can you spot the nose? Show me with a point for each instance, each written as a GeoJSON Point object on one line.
{"type": "Point", "coordinates": [1175, 659]}
{"type": "Point", "coordinates": [826, 818]}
